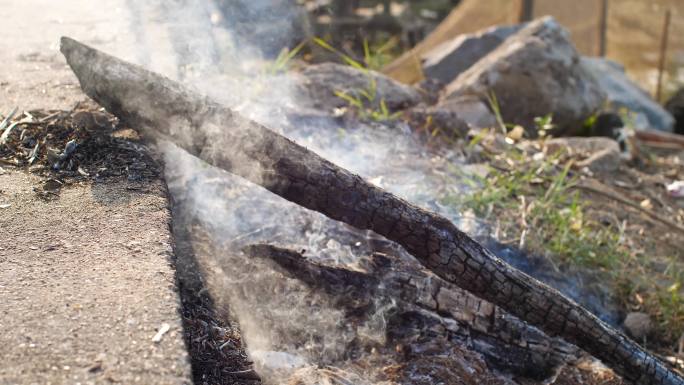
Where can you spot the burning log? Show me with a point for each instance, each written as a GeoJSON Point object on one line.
{"type": "Point", "coordinates": [442, 310]}
{"type": "Point", "coordinates": [161, 108]}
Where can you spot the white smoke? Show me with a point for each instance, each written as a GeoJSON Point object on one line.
{"type": "Point", "coordinates": [286, 326]}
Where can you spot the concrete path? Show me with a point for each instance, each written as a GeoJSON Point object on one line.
{"type": "Point", "coordinates": [34, 75]}
{"type": "Point", "coordinates": [86, 284]}
{"type": "Point", "coordinates": [85, 280]}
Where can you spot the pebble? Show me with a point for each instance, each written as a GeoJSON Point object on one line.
{"type": "Point", "coordinates": [638, 325]}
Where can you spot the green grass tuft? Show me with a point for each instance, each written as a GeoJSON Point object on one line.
{"type": "Point", "coordinates": [534, 203]}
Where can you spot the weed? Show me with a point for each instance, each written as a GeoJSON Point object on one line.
{"type": "Point", "coordinates": [284, 59]}
{"type": "Point", "coordinates": [377, 56]}
{"type": "Point", "coordinates": [363, 100]}
{"type": "Point", "coordinates": [544, 124]}
{"type": "Point", "coordinates": [477, 139]}
{"type": "Point", "coordinates": [535, 204]}
{"type": "Point", "coordinates": [551, 208]}
{"type": "Point", "coordinates": [671, 299]}
{"type": "Point", "coordinates": [496, 109]}
{"type": "Point", "coordinates": [345, 58]}
{"type": "Point", "coordinates": [364, 103]}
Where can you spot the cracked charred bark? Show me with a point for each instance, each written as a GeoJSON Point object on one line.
{"type": "Point", "coordinates": [440, 309]}
{"type": "Point", "coordinates": [162, 108]}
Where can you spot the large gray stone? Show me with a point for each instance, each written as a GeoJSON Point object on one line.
{"type": "Point", "coordinates": [320, 83]}
{"type": "Point", "coordinates": [623, 93]}
{"type": "Point", "coordinates": [449, 59]}
{"type": "Point", "coordinates": [535, 72]}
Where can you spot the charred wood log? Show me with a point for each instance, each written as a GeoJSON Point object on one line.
{"type": "Point", "coordinates": [420, 298]}
{"type": "Point", "coordinates": [161, 108]}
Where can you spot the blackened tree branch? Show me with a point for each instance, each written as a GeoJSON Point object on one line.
{"type": "Point", "coordinates": [163, 108]}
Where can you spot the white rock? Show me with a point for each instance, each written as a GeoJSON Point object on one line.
{"type": "Point", "coordinates": [676, 189]}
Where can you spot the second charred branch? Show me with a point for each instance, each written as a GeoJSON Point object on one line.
{"type": "Point", "coordinates": [162, 108]}
{"type": "Point", "coordinates": [425, 301]}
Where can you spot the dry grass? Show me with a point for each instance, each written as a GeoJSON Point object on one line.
{"type": "Point", "coordinates": [539, 204]}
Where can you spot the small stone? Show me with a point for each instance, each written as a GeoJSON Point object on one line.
{"type": "Point", "coordinates": [638, 325]}
{"type": "Point", "coordinates": [91, 121]}
{"type": "Point", "coordinates": [598, 154]}
{"type": "Point", "coordinates": [606, 160]}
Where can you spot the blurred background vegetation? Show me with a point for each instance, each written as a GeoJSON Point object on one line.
{"type": "Point", "coordinates": [631, 32]}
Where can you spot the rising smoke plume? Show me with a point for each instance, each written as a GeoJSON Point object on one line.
{"type": "Point", "coordinates": [287, 327]}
